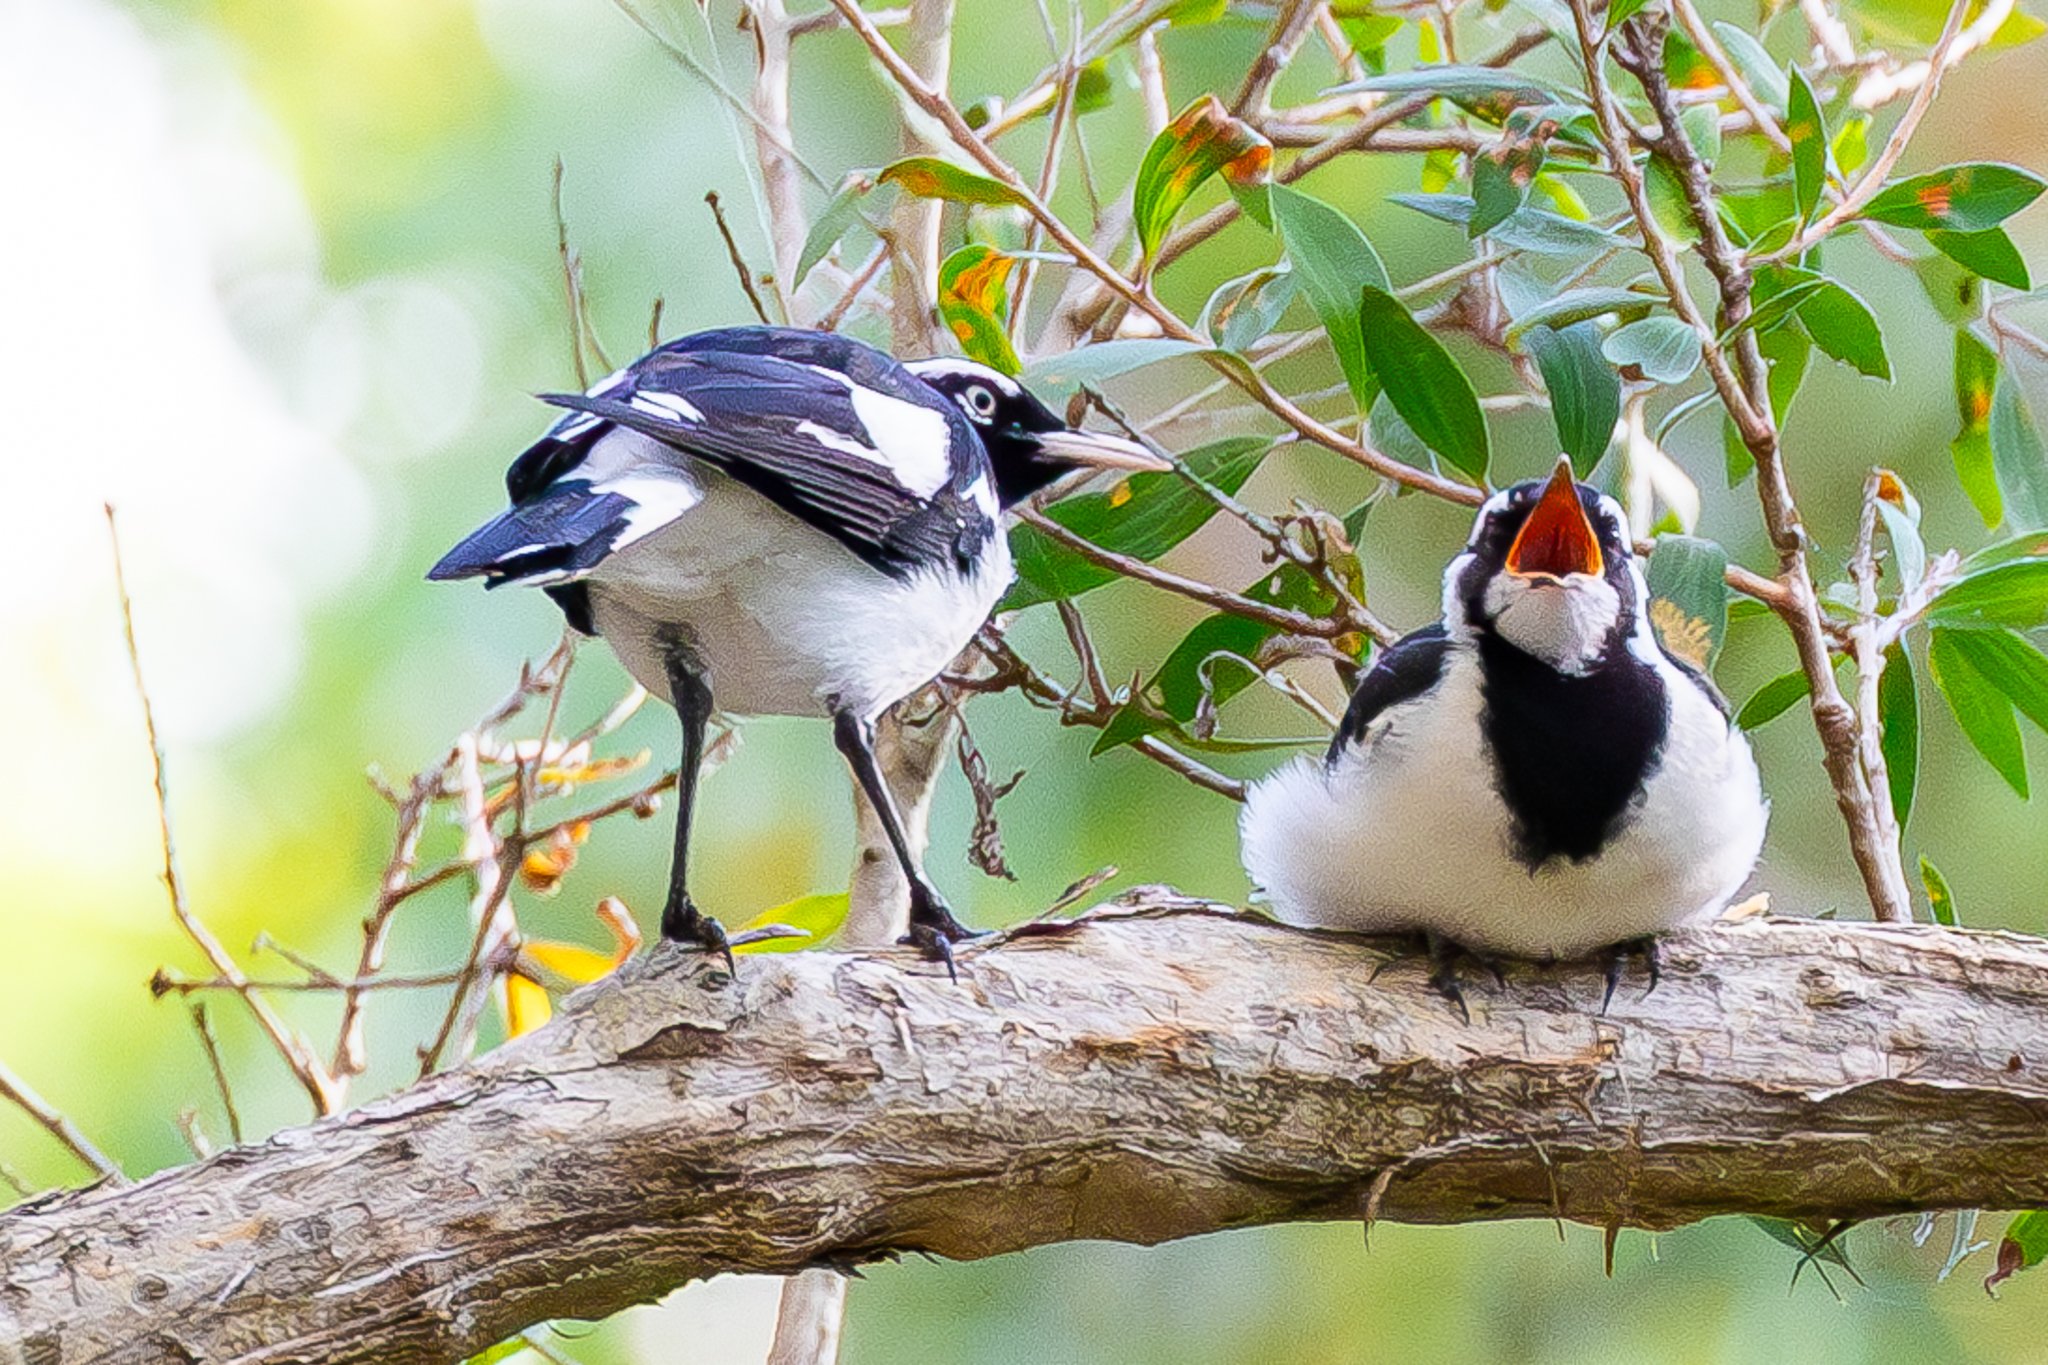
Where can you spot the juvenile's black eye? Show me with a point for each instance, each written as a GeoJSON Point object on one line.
{"type": "Point", "coordinates": [979, 401]}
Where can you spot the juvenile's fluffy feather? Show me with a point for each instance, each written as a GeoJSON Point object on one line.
{"type": "Point", "coordinates": [1533, 777]}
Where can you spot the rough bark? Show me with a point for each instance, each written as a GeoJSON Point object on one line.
{"type": "Point", "coordinates": [1138, 1077]}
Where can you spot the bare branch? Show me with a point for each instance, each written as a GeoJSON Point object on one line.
{"type": "Point", "coordinates": [813, 1113]}
{"type": "Point", "coordinates": [739, 262]}
{"type": "Point", "coordinates": [296, 1052]}
{"type": "Point", "coordinates": [47, 1117]}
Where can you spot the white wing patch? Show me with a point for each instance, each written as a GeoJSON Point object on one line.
{"type": "Point", "coordinates": [912, 441]}
{"type": "Point", "coordinates": [983, 495]}
{"type": "Point", "coordinates": [658, 499]}
{"type": "Point", "coordinates": [667, 405]}
{"type": "Point", "coordinates": [840, 441]}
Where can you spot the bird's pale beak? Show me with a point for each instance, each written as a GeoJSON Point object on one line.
{"type": "Point", "coordinates": [1097, 450]}
{"type": "Point", "coordinates": [1557, 539]}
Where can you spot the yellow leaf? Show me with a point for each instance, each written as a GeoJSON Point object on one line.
{"type": "Point", "coordinates": [570, 961]}
{"type": "Point", "coordinates": [526, 1005]}
{"type": "Point", "coordinates": [820, 914]}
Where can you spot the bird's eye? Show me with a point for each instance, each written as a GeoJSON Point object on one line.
{"type": "Point", "coordinates": [980, 402]}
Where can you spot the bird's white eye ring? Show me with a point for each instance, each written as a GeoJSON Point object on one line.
{"type": "Point", "coordinates": [980, 402]}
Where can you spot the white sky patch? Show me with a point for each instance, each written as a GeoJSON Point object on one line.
{"type": "Point", "coordinates": [236, 511]}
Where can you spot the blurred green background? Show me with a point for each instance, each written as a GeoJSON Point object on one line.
{"type": "Point", "coordinates": [281, 280]}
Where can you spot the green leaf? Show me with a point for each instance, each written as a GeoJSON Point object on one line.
{"type": "Point", "coordinates": [931, 177]}
{"type": "Point", "coordinates": [2017, 456]}
{"type": "Point", "coordinates": [1143, 517]}
{"type": "Point", "coordinates": [1056, 378]}
{"type": "Point", "coordinates": [1773, 699]}
{"type": "Point", "coordinates": [819, 915]}
{"type": "Point", "coordinates": [1580, 305]}
{"type": "Point", "coordinates": [1585, 392]}
{"type": "Point", "coordinates": [2013, 666]}
{"type": "Point", "coordinates": [1976, 377]}
{"type": "Point", "coordinates": [1909, 551]}
{"type": "Point", "coordinates": [504, 1350]}
{"type": "Point", "coordinates": [1203, 140]}
{"type": "Point", "coordinates": [2026, 545]}
{"type": "Point", "coordinates": [1957, 198]}
{"type": "Point", "coordinates": [1843, 326]}
{"type": "Point", "coordinates": [1093, 89]}
{"type": "Point", "coordinates": [1424, 384]}
{"type": "Point", "coordinates": [1177, 688]}
{"type": "Point", "coordinates": [1496, 193]}
{"type": "Point", "coordinates": [1490, 92]}
{"type": "Point", "coordinates": [2024, 1246]}
{"type": "Point", "coordinates": [1689, 597]}
{"type": "Point", "coordinates": [1956, 293]}
{"type": "Point", "coordinates": [1898, 719]}
{"type": "Point", "coordinates": [1940, 899]}
{"type": "Point", "coordinates": [1660, 348]}
{"type": "Point", "coordinates": [1332, 260]}
{"type": "Point", "coordinates": [1621, 11]}
{"type": "Point", "coordinates": [1805, 1239]}
{"type": "Point", "coordinates": [1247, 308]}
{"type": "Point", "coordinates": [2013, 594]}
{"type": "Point", "coordinates": [1989, 253]}
{"type": "Point", "coordinates": [1530, 229]}
{"type": "Point", "coordinates": [1807, 130]}
{"type": "Point", "coordinates": [1983, 712]}
{"type": "Point", "coordinates": [1788, 353]}
{"type": "Point", "coordinates": [832, 223]}
{"type": "Point", "coordinates": [974, 302]}
{"type": "Point", "coordinates": [1757, 66]}
{"type": "Point", "coordinates": [1668, 204]}
{"type": "Point", "coordinates": [1852, 144]}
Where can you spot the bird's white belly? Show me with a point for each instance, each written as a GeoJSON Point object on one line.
{"type": "Point", "coordinates": [782, 618]}
{"type": "Point", "coordinates": [1406, 831]}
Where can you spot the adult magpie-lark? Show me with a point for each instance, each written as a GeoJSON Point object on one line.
{"type": "Point", "coordinates": [1532, 776]}
{"type": "Point", "coordinates": [782, 522]}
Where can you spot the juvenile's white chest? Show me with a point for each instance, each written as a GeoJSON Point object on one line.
{"type": "Point", "coordinates": [784, 620]}
{"type": "Point", "coordinates": [1407, 831]}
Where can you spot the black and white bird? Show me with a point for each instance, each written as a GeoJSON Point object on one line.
{"type": "Point", "coordinates": [779, 522]}
{"type": "Point", "coordinates": [1534, 776]}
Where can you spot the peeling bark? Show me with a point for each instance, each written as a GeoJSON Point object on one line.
{"type": "Point", "coordinates": [1136, 1077]}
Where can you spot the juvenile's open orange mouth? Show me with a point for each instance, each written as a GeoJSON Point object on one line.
{"type": "Point", "coordinates": [1557, 539]}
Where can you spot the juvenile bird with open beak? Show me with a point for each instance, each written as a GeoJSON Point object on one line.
{"type": "Point", "coordinates": [1534, 776]}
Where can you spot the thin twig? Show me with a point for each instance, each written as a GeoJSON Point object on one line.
{"type": "Point", "coordinates": [204, 1028]}
{"type": "Point", "coordinates": [1872, 180]}
{"type": "Point", "coordinates": [739, 262]}
{"type": "Point", "coordinates": [572, 279]}
{"type": "Point", "coordinates": [51, 1121]}
{"type": "Point", "coordinates": [295, 1051]}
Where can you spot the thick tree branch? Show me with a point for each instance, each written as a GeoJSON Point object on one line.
{"type": "Point", "coordinates": [1136, 1078]}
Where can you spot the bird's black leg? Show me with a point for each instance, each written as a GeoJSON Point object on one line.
{"type": "Point", "coordinates": [1615, 961]}
{"type": "Point", "coordinates": [932, 926]}
{"type": "Point", "coordinates": [681, 920]}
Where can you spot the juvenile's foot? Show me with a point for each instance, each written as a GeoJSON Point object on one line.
{"type": "Point", "coordinates": [683, 922]}
{"type": "Point", "coordinates": [1615, 960]}
{"type": "Point", "coordinates": [933, 930]}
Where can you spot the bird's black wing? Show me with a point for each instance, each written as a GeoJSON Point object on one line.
{"type": "Point", "coordinates": [872, 457]}
{"type": "Point", "coordinates": [1404, 670]}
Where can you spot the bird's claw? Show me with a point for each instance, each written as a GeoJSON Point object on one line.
{"type": "Point", "coordinates": [685, 923]}
{"type": "Point", "coordinates": [934, 931]}
{"type": "Point", "coordinates": [1614, 961]}
{"type": "Point", "coordinates": [1444, 957]}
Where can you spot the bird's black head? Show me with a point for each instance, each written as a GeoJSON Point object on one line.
{"type": "Point", "coordinates": [1550, 569]}
{"type": "Point", "coordinates": [1028, 445]}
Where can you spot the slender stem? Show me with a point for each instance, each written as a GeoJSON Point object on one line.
{"type": "Point", "coordinates": [53, 1122]}
{"type": "Point", "coordinates": [1872, 180]}
{"type": "Point", "coordinates": [295, 1051]}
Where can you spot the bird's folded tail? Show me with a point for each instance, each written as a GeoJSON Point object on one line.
{"type": "Point", "coordinates": [555, 538]}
